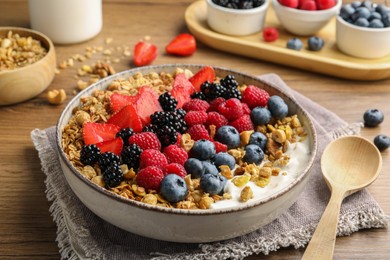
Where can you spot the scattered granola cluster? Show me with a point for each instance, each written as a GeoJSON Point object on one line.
{"type": "Point", "coordinates": [132, 158]}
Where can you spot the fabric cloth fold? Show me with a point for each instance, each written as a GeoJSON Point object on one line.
{"type": "Point", "coordinates": [83, 235]}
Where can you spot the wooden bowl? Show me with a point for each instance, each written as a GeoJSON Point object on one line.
{"type": "Point", "coordinates": [21, 84]}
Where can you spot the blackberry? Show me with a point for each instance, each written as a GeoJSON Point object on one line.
{"type": "Point", "coordinates": [130, 155]}
{"type": "Point", "coordinates": [198, 95]}
{"type": "Point", "coordinates": [181, 112]}
{"type": "Point", "coordinates": [150, 128]}
{"type": "Point", "coordinates": [167, 102]}
{"type": "Point", "coordinates": [239, 4]}
{"type": "Point", "coordinates": [112, 175]}
{"type": "Point", "coordinates": [125, 134]}
{"type": "Point", "coordinates": [229, 82]}
{"type": "Point", "coordinates": [89, 154]}
{"type": "Point", "coordinates": [107, 159]}
{"type": "Point", "coordinates": [232, 93]}
{"type": "Point", "coordinates": [212, 90]}
{"type": "Point", "coordinates": [173, 119]}
{"type": "Point", "coordinates": [167, 135]}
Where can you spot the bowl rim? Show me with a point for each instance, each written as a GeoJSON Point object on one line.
{"type": "Point", "coordinates": [276, 3]}
{"type": "Point", "coordinates": [47, 41]}
{"type": "Point", "coordinates": [239, 11]}
{"type": "Point", "coordinates": [341, 21]}
{"type": "Point", "coordinates": [204, 212]}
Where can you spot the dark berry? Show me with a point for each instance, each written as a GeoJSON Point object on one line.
{"type": "Point", "coordinates": [167, 135]}
{"type": "Point", "coordinates": [376, 23]}
{"type": "Point", "coordinates": [212, 184]}
{"type": "Point", "coordinates": [167, 102]}
{"type": "Point", "coordinates": [209, 168]}
{"type": "Point", "coordinates": [125, 134]}
{"type": "Point", "coordinates": [194, 167]}
{"type": "Point", "coordinates": [362, 22]}
{"type": "Point", "coordinates": [229, 136]}
{"type": "Point", "coordinates": [260, 116]}
{"type": "Point", "coordinates": [294, 44]}
{"type": "Point", "coordinates": [253, 154]}
{"type": "Point", "coordinates": [382, 142]}
{"type": "Point", "coordinates": [150, 128]}
{"type": "Point", "coordinates": [373, 117]}
{"type": "Point", "coordinates": [212, 90]}
{"type": "Point", "coordinates": [198, 95]}
{"type": "Point", "coordinates": [107, 159]}
{"type": "Point", "coordinates": [89, 154]}
{"type": "Point", "coordinates": [130, 155]}
{"type": "Point", "coordinates": [203, 150]}
{"type": "Point", "coordinates": [229, 82]}
{"type": "Point", "coordinates": [112, 175]}
{"type": "Point", "coordinates": [346, 11]}
{"type": "Point", "coordinates": [224, 159]}
{"type": "Point", "coordinates": [173, 188]}
{"type": "Point", "coordinates": [259, 139]}
{"type": "Point", "coordinates": [361, 12]}
{"type": "Point", "coordinates": [239, 4]}
{"type": "Point", "coordinates": [315, 43]}
{"type": "Point", "coordinates": [277, 107]}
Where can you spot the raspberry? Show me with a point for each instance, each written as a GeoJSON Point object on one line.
{"type": "Point", "coordinates": [196, 105]}
{"type": "Point", "coordinates": [325, 4]}
{"type": "Point", "coordinates": [214, 118]}
{"type": "Point", "coordinates": [150, 178]}
{"type": "Point", "coordinates": [152, 157]}
{"type": "Point", "coordinates": [220, 147]}
{"type": "Point", "coordinates": [231, 109]}
{"type": "Point", "coordinates": [255, 96]}
{"type": "Point", "coordinates": [215, 104]}
{"type": "Point", "coordinates": [270, 34]}
{"type": "Point", "coordinates": [146, 140]}
{"type": "Point", "coordinates": [175, 154]}
{"type": "Point", "coordinates": [289, 3]}
{"type": "Point", "coordinates": [243, 123]}
{"type": "Point", "coordinates": [247, 110]}
{"type": "Point", "coordinates": [175, 168]}
{"type": "Point", "coordinates": [198, 132]}
{"type": "Point", "coordinates": [309, 5]}
{"type": "Point", "coordinates": [195, 118]}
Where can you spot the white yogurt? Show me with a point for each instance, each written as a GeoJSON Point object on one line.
{"type": "Point", "coordinates": [299, 154]}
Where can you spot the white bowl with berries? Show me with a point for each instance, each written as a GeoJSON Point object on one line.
{"type": "Point", "coordinates": [181, 152]}
{"type": "Point", "coordinates": [363, 30]}
{"type": "Point", "coordinates": [306, 17]}
{"type": "Point", "coordinates": [237, 18]}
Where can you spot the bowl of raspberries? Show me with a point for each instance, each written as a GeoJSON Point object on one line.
{"type": "Point", "coordinates": [305, 17]}
{"type": "Point", "coordinates": [363, 30]}
{"type": "Point", "coordinates": [180, 152]}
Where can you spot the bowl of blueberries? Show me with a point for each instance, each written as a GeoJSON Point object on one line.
{"type": "Point", "coordinates": [363, 30]}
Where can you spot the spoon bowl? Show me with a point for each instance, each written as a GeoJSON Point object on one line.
{"type": "Point", "coordinates": [348, 164]}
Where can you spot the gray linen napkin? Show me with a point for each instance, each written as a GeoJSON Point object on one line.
{"type": "Point", "coordinates": [83, 235]}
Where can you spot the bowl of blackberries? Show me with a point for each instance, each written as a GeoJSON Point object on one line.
{"type": "Point", "coordinates": [236, 17]}
{"type": "Point", "coordinates": [363, 30]}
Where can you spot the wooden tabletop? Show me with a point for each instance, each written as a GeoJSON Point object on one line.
{"type": "Point", "coordinates": [27, 230]}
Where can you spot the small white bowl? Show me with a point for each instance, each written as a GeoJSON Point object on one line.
{"type": "Point", "coordinates": [361, 42]}
{"type": "Point", "coordinates": [237, 22]}
{"type": "Point", "coordinates": [303, 22]}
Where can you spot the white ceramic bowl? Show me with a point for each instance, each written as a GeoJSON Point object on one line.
{"type": "Point", "coordinates": [180, 225]}
{"type": "Point", "coordinates": [302, 22]}
{"type": "Point", "coordinates": [361, 42]}
{"type": "Point", "coordinates": [236, 22]}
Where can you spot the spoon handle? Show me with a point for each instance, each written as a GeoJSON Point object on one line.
{"type": "Point", "coordinates": [322, 243]}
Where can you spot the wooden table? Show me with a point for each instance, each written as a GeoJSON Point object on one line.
{"type": "Point", "coordinates": [26, 227]}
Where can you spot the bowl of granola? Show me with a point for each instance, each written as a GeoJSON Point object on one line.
{"type": "Point", "coordinates": [181, 152]}
{"type": "Point", "coordinates": [27, 64]}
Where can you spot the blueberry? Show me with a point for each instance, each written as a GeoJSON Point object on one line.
{"type": "Point", "coordinates": [346, 11]}
{"type": "Point", "coordinates": [356, 4]}
{"type": "Point", "coordinates": [202, 150]}
{"type": "Point", "coordinates": [361, 12]}
{"type": "Point", "coordinates": [368, 5]}
{"type": "Point", "coordinates": [253, 154]}
{"type": "Point", "coordinates": [373, 117]}
{"type": "Point", "coordinates": [294, 44]}
{"type": "Point", "coordinates": [228, 135]}
{"type": "Point", "coordinates": [173, 188]}
{"type": "Point", "coordinates": [386, 19]}
{"type": "Point", "coordinates": [277, 107]}
{"type": "Point", "coordinates": [315, 43]}
{"type": "Point", "coordinates": [259, 139]}
{"type": "Point", "coordinates": [382, 142]}
{"type": "Point", "coordinates": [209, 168]}
{"type": "Point", "coordinates": [375, 15]}
{"type": "Point", "coordinates": [362, 22]}
{"type": "Point", "coordinates": [376, 23]}
{"type": "Point", "coordinates": [260, 116]}
{"type": "Point", "coordinates": [381, 9]}
{"type": "Point", "coordinates": [212, 184]}
{"type": "Point", "coordinates": [224, 159]}
{"type": "Point", "coordinates": [194, 167]}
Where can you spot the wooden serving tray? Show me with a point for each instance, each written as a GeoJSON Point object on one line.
{"type": "Point", "coordinates": [329, 60]}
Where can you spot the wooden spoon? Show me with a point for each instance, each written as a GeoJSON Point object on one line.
{"type": "Point", "coordinates": [348, 164]}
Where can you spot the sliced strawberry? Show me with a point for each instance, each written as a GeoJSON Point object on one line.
{"type": "Point", "coordinates": [94, 133]}
{"type": "Point", "coordinates": [207, 73]}
{"type": "Point", "coordinates": [127, 117]}
{"type": "Point", "coordinates": [114, 146]}
{"type": "Point", "coordinates": [118, 101]}
{"type": "Point", "coordinates": [144, 53]}
{"type": "Point", "coordinates": [146, 104]}
{"type": "Point", "coordinates": [182, 89]}
{"type": "Point", "coordinates": [182, 45]}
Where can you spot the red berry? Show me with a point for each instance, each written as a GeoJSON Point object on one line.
{"type": "Point", "coordinates": [144, 53]}
{"type": "Point", "coordinates": [175, 168]}
{"type": "Point", "coordinates": [289, 3]}
{"type": "Point", "coordinates": [146, 140]}
{"type": "Point", "coordinates": [243, 123]}
{"type": "Point", "coordinates": [150, 178]}
{"type": "Point", "coordinates": [175, 154]}
{"type": "Point", "coordinates": [195, 118]}
{"type": "Point", "coordinates": [95, 133]}
{"type": "Point", "coordinates": [198, 132]}
{"type": "Point", "coordinates": [182, 45]}
{"type": "Point", "coordinates": [215, 104]}
{"type": "Point", "coordinates": [254, 96]}
{"type": "Point", "coordinates": [196, 105]}
{"type": "Point", "coordinates": [152, 157]}
{"type": "Point", "coordinates": [309, 5]}
{"type": "Point", "coordinates": [270, 34]}
{"type": "Point", "coordinates": [215, 118]}
{"type": "Point", "coordinates": [220, 147]}
{"type": "Point", "coordinates": [207, 73]}
{"type": "Point", "coordinates": [245, 107]}
{"type": "Point", "coordinates": [325, 4]}
{"type": "Point", "coordinates": [231, 109]}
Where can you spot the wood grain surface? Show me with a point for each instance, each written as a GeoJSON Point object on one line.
{"type": "Point", "coordinates": [26, 227]}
